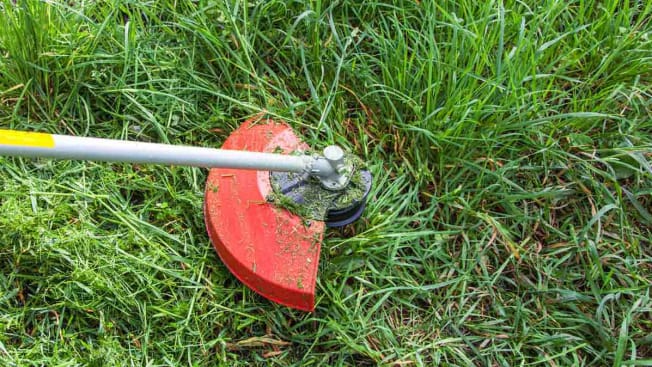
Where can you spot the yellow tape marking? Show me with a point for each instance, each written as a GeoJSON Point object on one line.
{"type": "Point", "coordinates": [22, 138]}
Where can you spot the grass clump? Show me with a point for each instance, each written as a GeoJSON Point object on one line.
{"type": "Point", "coordinates": [509, 222]}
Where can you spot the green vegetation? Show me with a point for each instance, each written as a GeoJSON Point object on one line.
{"type": "Point", "coordinates": [509, 224]}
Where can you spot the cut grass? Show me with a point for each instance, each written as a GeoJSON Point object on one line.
{"type": "Point", "coordinates": [510, 145]}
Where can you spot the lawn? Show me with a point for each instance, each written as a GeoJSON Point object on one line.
{"type": "Point", "coordinates": [509, 223]}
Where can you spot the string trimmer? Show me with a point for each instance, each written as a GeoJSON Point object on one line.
{"type": "Point", "coordinates": [267, 200]}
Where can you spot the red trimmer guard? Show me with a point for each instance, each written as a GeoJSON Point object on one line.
{"type": "Point", "coordinates": [271, 250]}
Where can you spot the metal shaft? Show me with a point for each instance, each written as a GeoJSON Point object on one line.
{"type": "Point", "coordinates": [33, 145]}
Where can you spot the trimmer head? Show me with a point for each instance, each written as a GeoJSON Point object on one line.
{"type": "Point", "coordinates": [313, 201]}
{"type": "Point", "coordinates": [268, 248]}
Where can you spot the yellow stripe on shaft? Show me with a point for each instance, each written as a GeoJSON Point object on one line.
{"type": "Point", "coordinates": [26, 139]}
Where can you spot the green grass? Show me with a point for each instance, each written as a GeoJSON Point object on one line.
{"type": "Point", "coordinates": [509, 224]}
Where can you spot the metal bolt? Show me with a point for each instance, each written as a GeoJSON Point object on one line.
{"type": "Point", "coordinates": [334, 155]}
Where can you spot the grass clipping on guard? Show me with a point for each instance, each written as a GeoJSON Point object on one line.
{"type": "Point", "coordinates": [317, 200]}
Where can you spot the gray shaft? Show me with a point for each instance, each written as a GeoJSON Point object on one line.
{"type": "Point", "coordinates": [107, 150]}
